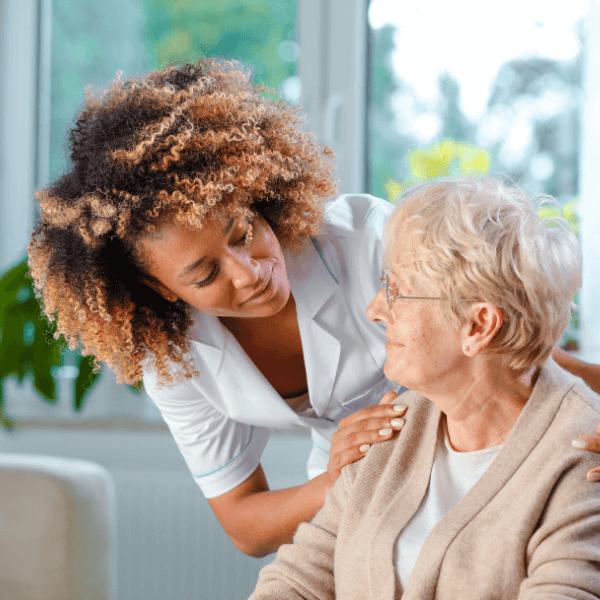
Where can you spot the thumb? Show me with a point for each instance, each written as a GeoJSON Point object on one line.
{"type": "Point", "coordinates": [389, 398]}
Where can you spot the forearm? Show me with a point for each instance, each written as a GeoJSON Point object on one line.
{"type": "Point", "coordinates": [263, 520]}
{"type": "Point", "coordinates": [590, 373]}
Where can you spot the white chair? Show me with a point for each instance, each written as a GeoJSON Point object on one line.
{"type": "Point", "coordinates": [57, 529]}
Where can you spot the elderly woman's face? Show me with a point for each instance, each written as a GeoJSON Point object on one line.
{"type": "Point", "coordinates": [233, 268]}
{"type": "Point", "coordinates": [424, 353]}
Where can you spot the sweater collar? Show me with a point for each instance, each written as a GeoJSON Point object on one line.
{"type": "Point", "coordinates": [549, 391]}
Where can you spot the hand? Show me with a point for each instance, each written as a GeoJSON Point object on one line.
{"type": "Point", "coordinates": [359, 430]}
{"type": "Point", "coordinates": [591, 443]}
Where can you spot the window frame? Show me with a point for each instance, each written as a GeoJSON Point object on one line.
{"type": "Point", "coordinates": [332, 68]}
{"type": "Point", "coordinates": [589, 191]}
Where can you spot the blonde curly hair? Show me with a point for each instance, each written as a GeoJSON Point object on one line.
{"type": "Point", "coordinates": [183, 142]}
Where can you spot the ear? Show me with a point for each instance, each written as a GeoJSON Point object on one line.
{"type": "Point", "coordinates": [484, 322]}
{"type": "Point", "coordinates": [159, 288]}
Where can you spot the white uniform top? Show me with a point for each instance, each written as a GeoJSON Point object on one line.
{"type": "Point", "coordinates": [222, 419]}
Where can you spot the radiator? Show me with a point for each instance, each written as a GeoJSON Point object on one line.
{"type": "Point", "coordinates": [170, 545]}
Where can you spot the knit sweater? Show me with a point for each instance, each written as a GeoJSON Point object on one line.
{"type": "Point", "coordinates": [528, 529]}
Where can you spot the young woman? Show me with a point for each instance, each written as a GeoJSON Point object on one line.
{"type": "Point", "coordinates": [197, 243]}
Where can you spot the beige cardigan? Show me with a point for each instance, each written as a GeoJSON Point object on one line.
{"type": "Point", "coordinates": [529, 528]}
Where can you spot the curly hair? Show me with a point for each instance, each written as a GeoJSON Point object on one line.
{"type": "Point", "coordinates": [184, 142]}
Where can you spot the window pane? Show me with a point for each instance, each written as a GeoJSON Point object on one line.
{"type": "Point", "coordinates": [90, 45]}
{"type": "Point", "coordinates": [456, 88]}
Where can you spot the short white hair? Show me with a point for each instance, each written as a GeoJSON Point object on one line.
{"type": "Point", "coordinates": [477, 237]}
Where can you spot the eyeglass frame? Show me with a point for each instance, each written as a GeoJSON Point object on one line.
{"type": "Point", "coordinates": [391, 295]}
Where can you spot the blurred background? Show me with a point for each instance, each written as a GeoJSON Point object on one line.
{"type": "Point", "coordinates": [402, 91]}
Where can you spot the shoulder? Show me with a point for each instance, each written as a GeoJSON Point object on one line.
{"type": "Point", "coordinates": [421, 422]}
{"type": "Point", "coordinates": [349, 215]}
{"type": "Point", "coordinates": [579, 407]}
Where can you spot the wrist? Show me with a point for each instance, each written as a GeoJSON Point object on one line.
{"type": "Point", "coordinates": [323, 482]}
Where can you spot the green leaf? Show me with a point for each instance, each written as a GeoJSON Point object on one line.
{"type": "Point", "coordinates": [14, 278]}
{"type": "Point", "coordinates": [44, 383]}
{"type": "Point", "coordinates": [137, 387]}
{"type": "Point", "coordinates": [5, 421]}
{"type": "Point", "coordinates": [44, 357]}
{"type": "Point", "coordinates": [85, 380]}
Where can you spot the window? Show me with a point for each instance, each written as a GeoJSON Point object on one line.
{"type": "Point", "coordinates": [459, 89]}
{"type": "Point", "coordinates": [394, 88]}
{"type": "Point", "coordinates": [90, 45]}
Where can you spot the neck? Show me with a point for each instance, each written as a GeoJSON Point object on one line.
{"type": "Point", "coordinates": [483, 410]}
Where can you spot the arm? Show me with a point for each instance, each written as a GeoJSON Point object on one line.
{"type": "Point", "coordinates": [304, 569]}
{"type": "Point", "coordinates": [258, 521]}
{"type": "Point", "coordinates": [564, 556]}
{"type": "Point", "coordinates": [589, 372]}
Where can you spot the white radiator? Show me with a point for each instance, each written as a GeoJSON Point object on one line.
{"type": "Point", "coordinates": [170, 545]}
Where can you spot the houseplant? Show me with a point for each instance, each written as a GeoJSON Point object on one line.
{"type": "Point", "coordinates": [28, 348]}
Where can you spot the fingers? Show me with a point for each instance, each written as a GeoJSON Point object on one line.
{"type": "Point", "coordinates": [593, 475]}
{"type": "Point", "coordinates": [592, 444]}
{"type": "Point", "coordinates": [358, 432]}
{"type": "Point", "coordinates": [389, 397]}
{"type": "Point", "coordinates": [370, 418]}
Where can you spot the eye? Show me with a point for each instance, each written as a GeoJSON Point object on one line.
{"type": "Point", "coordinates": [206, 281]}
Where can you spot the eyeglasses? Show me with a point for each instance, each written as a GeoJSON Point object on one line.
{"type": "Point", "coordinates": [391, 294]}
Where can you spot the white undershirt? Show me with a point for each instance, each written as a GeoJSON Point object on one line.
{"type": "Point", "coordinates": [452, 476]}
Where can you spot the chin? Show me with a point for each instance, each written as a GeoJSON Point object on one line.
{"type": "Point", "coordinates": [390, 372]}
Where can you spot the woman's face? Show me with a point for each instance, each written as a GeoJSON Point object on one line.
{"type": "Point", "coordinates": [424, 352]}
{"type": "Point", "coordinates": [229, 268]}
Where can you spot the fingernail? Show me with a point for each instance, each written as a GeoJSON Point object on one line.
{"type": "Point", "coordinates": [385, 431]}
{"type": "Point", "coordinates": [364, 447]}
{"type": "Point", "coordinates": [397, 422]}
{"type": "Point", "coordinates": [593, 477]}
{"type": "Point", "coordinates": [581, 444]}
{"type": "Point", "coordinates": [399, 407]}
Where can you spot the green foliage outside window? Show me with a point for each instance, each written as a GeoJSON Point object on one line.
{"type": "Point", "coordinates": [260, 32]}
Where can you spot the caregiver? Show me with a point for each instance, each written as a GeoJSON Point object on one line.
{"type": "Point", "coordinates": [190, 244]}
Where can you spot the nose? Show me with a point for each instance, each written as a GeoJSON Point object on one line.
{"type": "Point", "coordinates": [243, 269]}
{"type": "Point", "coordinates": [378, 310]}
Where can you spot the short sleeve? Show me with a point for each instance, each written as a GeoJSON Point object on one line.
{"type": "Point", "coordinates": [221, 453]}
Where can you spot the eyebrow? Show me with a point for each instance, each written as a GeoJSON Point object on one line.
{"type": "Point", "coordinates": [192, 266]}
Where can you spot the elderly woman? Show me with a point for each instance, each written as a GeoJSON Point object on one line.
{"type": "Point", "coordinates": [466, 502]}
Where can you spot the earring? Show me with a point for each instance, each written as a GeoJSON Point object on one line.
{"type": "Point", "coordinates": [465, 348]}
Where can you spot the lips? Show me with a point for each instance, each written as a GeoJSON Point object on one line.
{"type": "Point", "coordinates": [261, 291]}
{"type": "Point", "coordinates": [390, 343]}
